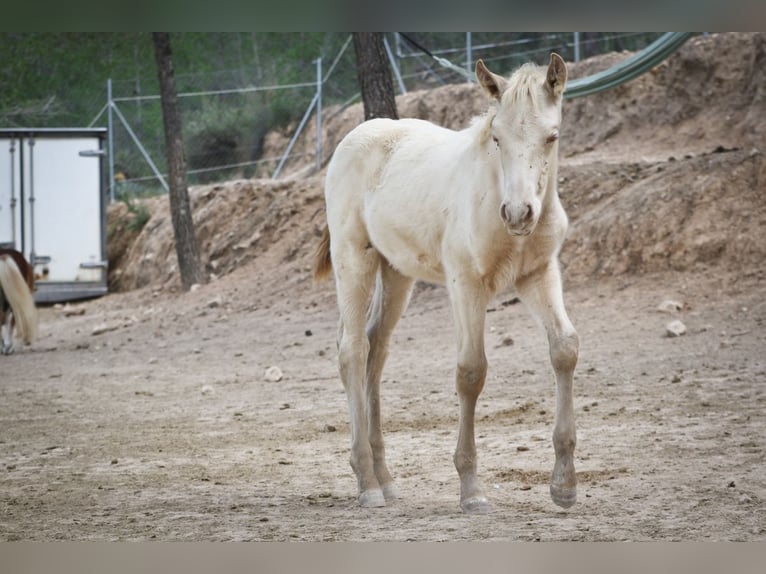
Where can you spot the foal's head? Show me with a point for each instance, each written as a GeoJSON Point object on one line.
{"type": "Point", "coordinates": [525, 129]}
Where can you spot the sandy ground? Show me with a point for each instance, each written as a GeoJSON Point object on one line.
{"type": "Point", "coordinates": [165, 427]}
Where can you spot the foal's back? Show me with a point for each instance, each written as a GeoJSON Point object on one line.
{"type": "Point", "coordinates": [392, 183]}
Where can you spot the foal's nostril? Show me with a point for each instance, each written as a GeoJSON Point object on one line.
{"type": "Point", "coordinates": [504, 214]}
{"type": "Point", "coordinates": [527, 212]}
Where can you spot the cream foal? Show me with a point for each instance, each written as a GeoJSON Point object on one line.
{"type": "Point", "coordinates": [475, 210]}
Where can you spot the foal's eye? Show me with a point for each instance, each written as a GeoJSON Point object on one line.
{"type": "Point", "coordinates": [552, 137]}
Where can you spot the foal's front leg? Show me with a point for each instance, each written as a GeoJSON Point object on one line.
{"type": "Point", "coordinates": [542, 292]}
{"type": "Point", "coordinates": [469, 309]}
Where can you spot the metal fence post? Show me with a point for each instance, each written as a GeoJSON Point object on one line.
{"type": "Point", "coordinates": [110, 135]}
{"type": "Point", "coordinates": [468, 52]}
{"type": "Point", "coordinates": [577, 46]}
{"type": "Point", "coordinates": [394, 66]}
{"type": "Point", "coordinates": [319, 113]}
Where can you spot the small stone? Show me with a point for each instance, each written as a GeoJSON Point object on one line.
{"type": "Point", "coordinates": [675, 329]}
{"type": "Point", "coordinates": [670, 306]}
{"type": "Point", "coordinates": [273, 374]}
{"type": "Point", "coordinates": [507, 341]}
{"type": "Point", "coordinates": [215, 302]}
{"type": "Point", "coordinates": [329, 428]}
{"type": "Point", "coordinates": [70, 311]}
{"type": "Point", "coordinates": [103, 328]}
{"type": "Point", "coordinates": [308, 333]}
{"type": "Point", "coordinates": [207, 390]}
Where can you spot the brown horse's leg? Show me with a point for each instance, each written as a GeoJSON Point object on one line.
{"type": "Point", "coordinates": [391, 297]}
{"type": "Point", "coordinates": [6, 318]}
{"type": "Point", "coordinates": [6, 330]}
{"type": "Point", "coordinates": [469, 309]}
{"type": "Point", "coordinates": [542, 292]}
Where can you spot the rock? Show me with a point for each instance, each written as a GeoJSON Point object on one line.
{"type": "Point", "coordinates": [103, 328]}
{"type": "Point", "coordinates": [207, 390]}
{"type": "Point", "coordinates": [670, 306]}
{"type": "Point", "coordinates": [70, 311]}
{"type": "Point", "coordinates": [675, 329]}
{"type": "Point", "coordinates": [214, 302]}
{"type": "Point", "coordinates": [273, 374]}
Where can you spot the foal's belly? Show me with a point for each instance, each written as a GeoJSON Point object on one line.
{"type": "Point", "coordinates": [409, 251]}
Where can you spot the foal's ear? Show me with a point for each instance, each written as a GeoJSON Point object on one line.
{"type": "Point", "coordinates": [556, 78]}
{"type": "Point", "coordinates": [494, 85]}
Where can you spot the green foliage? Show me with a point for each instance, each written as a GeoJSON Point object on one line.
{"type": "Point", "coordinates": [59, 80]}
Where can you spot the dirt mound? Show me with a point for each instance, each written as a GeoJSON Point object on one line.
{"type": "Point", "coordinates": [235, 223]}
{"type": "Point", "coordinates": [660, 173]}
{"type": "Point", "coordinates": [684, 215]}
{"type": "Point", "coordinates": [710, 93]}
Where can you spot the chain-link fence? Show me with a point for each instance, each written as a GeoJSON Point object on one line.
{"type": "Point", "coordinates": [249, 86]}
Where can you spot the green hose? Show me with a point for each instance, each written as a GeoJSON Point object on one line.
{"type": "Point", "coordinates": [633, 67]}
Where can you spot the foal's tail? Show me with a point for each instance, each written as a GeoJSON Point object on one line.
{"type": "Point", "coordinates": [20, 298]}
{"type": "Point", "coordinates": [322, 258]}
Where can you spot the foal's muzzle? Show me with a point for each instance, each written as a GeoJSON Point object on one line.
{"type": "Point", "coordinates": [519, 219]}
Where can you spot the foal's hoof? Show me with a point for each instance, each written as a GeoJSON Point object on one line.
{"type": "Point", "coordinates": [564, 496]}
{"type": "Point", "coordinates": [372, 498]}
{"type": "Point", "coordinates": [476, 505]}
{"type": "Point", "coordinates": [391, 491]}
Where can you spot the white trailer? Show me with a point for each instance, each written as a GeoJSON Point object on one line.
{"type": "Point", "coordinates": [53, 208]}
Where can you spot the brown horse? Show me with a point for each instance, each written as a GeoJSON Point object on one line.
{"type": "Point", "coordinates": [17, 304]}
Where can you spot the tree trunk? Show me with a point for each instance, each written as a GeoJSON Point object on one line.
{"type": "Point", "coordinates": [374, 76]}
{"type": "Point", "coordinates": [187, 249]}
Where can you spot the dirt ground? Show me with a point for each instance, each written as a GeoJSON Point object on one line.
{"type": "Point", "coordinates": [151, 414]}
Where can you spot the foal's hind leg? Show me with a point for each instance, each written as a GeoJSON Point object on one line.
{"type": "Point", "coordinates": [543, 294]}
{"type": "Point", "coordinates": [355, 269]}
{"type": "Point", "coordinates": [391, 297]}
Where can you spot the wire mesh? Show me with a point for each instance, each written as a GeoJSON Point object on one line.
{"type": "Point", "coordinates": [235, 90]}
